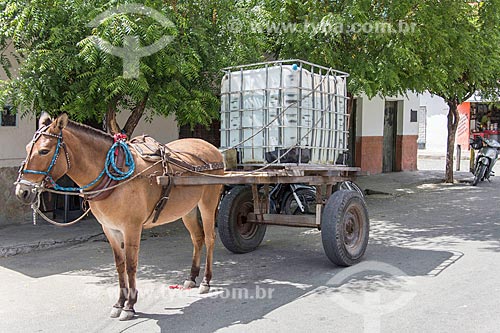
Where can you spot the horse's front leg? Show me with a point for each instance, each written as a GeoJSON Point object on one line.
{"type": "Point", "coordinates": [132, 243]}
{"type": "Point", "coordinates": [115, 239]}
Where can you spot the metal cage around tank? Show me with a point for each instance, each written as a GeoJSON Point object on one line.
{"type": "Point", "coordinates": [279, 106]}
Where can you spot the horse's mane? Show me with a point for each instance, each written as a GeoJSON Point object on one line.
{"type": "Point", "coordinates": [96, 133]}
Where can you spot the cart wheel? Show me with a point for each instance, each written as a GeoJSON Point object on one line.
{"type": "Point", "coordinates": [237, 235]}
{"type": "Point", "coordinates": [345, 227]}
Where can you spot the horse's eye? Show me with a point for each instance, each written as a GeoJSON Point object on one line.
{"type": "Point", "coordinates": [43, 151]}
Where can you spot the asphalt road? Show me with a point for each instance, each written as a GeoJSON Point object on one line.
{"type": "Point", "coordinates": [432, 266]}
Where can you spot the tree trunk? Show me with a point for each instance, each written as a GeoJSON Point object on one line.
{"type": "Point", "coordinates": [453, 118]}
{"type": "Point", "coordinates": [111, 123]}
{"type": "Point", "coordinates": [135, 117]}
{"type": "Point", "coordinates": [132, 121]}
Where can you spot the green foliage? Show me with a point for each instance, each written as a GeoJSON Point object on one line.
{"type": "Point", "coordinates": [449, 47]}
{"type": "Point", "coordinates": [360, 37]}
{"type": "Point", "coordinates": [63, 70]}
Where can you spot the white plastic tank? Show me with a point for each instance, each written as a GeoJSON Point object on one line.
{"type": "Point", "coordinates": [282, 105]}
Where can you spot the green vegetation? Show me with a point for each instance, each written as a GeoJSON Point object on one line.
{"type": "Point", "coordinates": [449, 47]}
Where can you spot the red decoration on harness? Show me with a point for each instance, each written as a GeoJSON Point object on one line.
{"type": "Point", "coordinates": [120, 137]}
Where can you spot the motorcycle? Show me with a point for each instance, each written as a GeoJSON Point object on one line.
{"type": "Point", "coordinates": [300, 199]}
{"type": "Point", "coordinates": [486, 158]}
{"type": "Point", "coordinates": [292, 199]}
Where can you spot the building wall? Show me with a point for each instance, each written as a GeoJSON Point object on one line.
{"type": "Point", "coordinates": [436, 131]}
{"type": "Point", "coordinates": [369, 153]}
{"type": "Point", "coordinates": [13, 141]}
{"type": "Point", "coordinates": [162, 129]}
{"type": "Point", "coordinates": [370, 132]}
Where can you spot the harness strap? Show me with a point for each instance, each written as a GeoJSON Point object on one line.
{"type": "Point", "coordinates": [165, 192]}
{"type": "Point", "coordinates": [106, 181]}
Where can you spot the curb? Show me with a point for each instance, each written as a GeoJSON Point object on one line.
{"type": "Point", "coordinates": [10, 251]}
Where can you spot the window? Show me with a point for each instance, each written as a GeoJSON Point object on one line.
{"type": "Point", "coordinates": [8, 118]}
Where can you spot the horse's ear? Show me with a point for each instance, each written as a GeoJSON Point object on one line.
{"type": "Point", "coordinates": [62, 121]}
{"type": "Point", "coordinates": [45, 120]}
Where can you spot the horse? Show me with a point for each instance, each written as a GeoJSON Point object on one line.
{"type": "Point", "coordinates": [129, 207]}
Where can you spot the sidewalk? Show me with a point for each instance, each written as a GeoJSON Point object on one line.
{"type": "Point", "coordinates": [25, 238]}
{"type": "Point", "coordinates": [435, 155]}
{"type": "Point", "coordinates": [399, 183]}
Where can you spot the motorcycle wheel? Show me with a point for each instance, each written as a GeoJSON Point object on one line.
{"type": "Point", "coordinates": [480, 173]}
{"type": "Point", "coordinates": [308, 199]}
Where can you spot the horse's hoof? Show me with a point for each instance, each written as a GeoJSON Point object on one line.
{"type": "Point", "coordinates": [204, 288]}
{"type": "Point", "coordinates": [188, 284]}
{"type": "Point", "coordinates": [115, 312]}
{"type": "Point", "coordinates": [126, 315]}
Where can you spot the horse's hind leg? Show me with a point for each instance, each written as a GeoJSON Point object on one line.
{"type": "Point", "coordinates": [197, 237]}
{"type": "Point", "coordinates": [116, 241]}
{"type": "Point", "coordinates": [208, 208]}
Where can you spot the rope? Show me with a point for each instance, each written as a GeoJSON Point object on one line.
{"type": "Point", "coordinates": [81, 193]}
{"type": "Point", "coordinates": [36, 209]}
{"type": "Point", "coordinates": [110, 168]}
{"type": "Point", "coordinates": [62, 224]}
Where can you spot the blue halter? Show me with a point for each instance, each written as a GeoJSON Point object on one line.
{"type": "Point", "coordinates": [60, 143]}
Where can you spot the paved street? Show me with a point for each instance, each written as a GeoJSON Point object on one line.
{"type": "Point", "coordinates": [432, 266]}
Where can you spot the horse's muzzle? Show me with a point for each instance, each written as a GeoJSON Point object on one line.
{"type": "Point", "coordinates": [25, 193]}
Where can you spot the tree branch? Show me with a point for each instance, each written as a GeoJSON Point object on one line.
{"type": "Point", "coordinates": [111, 123]}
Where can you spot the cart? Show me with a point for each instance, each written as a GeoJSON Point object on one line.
{"type": "Point", "coordinates": [341, 214]}
{"type": "Point", "coordinates": [286, 122]}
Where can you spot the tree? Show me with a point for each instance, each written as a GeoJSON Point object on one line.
{"type": "Point", "coordinates": [63, 68]}
{"type": "Point", "coordinates": [460, 54]}
{"type": "Point", "coordinates": [449, 47]}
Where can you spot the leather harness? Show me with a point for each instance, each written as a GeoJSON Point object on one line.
{"type": "Point", "coordinates": [150, 150]}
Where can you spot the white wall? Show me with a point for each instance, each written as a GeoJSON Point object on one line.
{"type": "Point", "coordinates": [13, 139]}
{"type": "Point", "coordinates": [162, 129]}
{"type": "Point", "coordinates": [372, 114]}
{"type": "Point", "coordinates": [436, 133]}
{"type": "Point", "coordinates": [407, 104]}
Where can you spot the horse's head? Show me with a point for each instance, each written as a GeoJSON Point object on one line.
{"type": "Point", "coordinates": [42, 164]}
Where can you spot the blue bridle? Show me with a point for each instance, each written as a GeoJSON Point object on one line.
{"type": "Point", "coordinates": [110, 167]}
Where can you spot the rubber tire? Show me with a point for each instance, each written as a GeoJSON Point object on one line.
{"type": "Point", "coordinates": [301, 192]}
{"type": "Point", "coordinates": [480, 171]}
{"type": "Point", "coordinates": [227, 220]}
{"type": "Point", "coordinates": [332, 227]}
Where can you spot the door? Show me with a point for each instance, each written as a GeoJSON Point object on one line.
{"type": "Point", "coordinates": [389, 141]}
